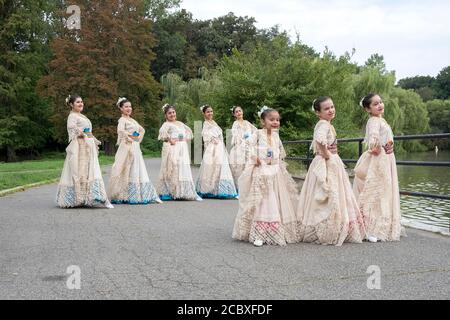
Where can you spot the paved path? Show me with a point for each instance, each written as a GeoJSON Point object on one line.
{"type": "Point", "coordinates": [184, 250]}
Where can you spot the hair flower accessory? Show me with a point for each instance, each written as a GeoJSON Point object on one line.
{"type": "Point", "coordinates": [312, 107]}
{"type": "Point", "coordinates": [120, 100]}
{"type": "Point", "coordinates": [164, 107]}
{"type": "Point", "coordinates": [361, 102]}
{"type": "Point", "coordinates": [264, 108]}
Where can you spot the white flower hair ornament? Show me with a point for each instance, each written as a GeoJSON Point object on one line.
{"type": "Point", "coordinates": [202, 107]}
{"type": "Point", "coordinates": [361, 102]}
{"type": "Point", "coordinates": [164, 107]}
{"type": "Point", "coordinates": [67, 99]}
{"type": "Point", "coordinates": [264, 108]}
{"type": "Point", "coordinates": [312, 107]}
{"type": "Point", "coordinates": [119, 101]}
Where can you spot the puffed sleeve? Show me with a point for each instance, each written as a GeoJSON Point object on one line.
{"type": "Point", "coordinates": [72, 128]}
{"type": "Point", "coordinates": [321, 132]}
{"type": "Point", "coordinates": [189, 134]}
{"type": "Point", "coordinates": [164, 133]}
{"type": "Point", "coordinates": [141, 131]}
{"type": "Point", "coordinates": [122, 134]}
{"type": "Point", "coordinates": [373, 133]}
{"type": "Point", "coordinates": [208, 133]}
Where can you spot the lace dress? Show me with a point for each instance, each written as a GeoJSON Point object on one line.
{"type": "Point", "coordinates": [242, 133]}
{"type": "Point", "coordinates": [268, 195]}
{"type": "Point", "coordinates": [327, 211]}
{"type": "Point", "coordinates": [376, 184]}
{"type": "Point", "coordinates": [81, 182]}
{"type": "Point", "coordinates": [215, 179]}
{"type": "Point", "coordinates": [175, 177]}
{"type": "Point", "coordinates": [129, 182]}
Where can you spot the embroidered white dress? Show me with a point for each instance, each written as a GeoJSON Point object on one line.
{"type": "Point", "coordinates": [327, 211]}
{"type": "Point", "coordinates": [215, 179]}
{"type": "Point", "coordinates": [376, 184]}
{"type": "Point", "coordinates": [129, 182]}
{"type": "Point", "coordinates": [81, 182]}
{"type": "Point", "coordinates": [268, 195]}
{"type": "Point", "coordinates": [242, 132]}
{"type": "Point", "coordinates": [175, 178]}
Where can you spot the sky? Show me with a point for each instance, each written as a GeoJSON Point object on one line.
{"type": "Point", "coordinates": [413, 36]}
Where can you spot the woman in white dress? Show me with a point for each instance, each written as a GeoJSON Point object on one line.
{"type": "Point", "coordinates": [376, 181]}
{"type": "Point", "coordinates": [215, 179]}
{"type": "Point", "coordinates": [242, 132]}
{"type": "Point", "coordinates": [175, 177]}
{"type": "Point", "coordinates": [81, 181]}
{"type": "Point", "coordinates": [327, 212]}
{"type": "Point", "coordinates": [268, 194]}
{"type": "Point", "coordinates": [129, 182]}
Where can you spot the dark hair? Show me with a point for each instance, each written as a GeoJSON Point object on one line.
{"type": "Point", "coordinates": [317, 103]}
{"type": "Point", "coordinates": [205, 107]}
{"type": "Point", "coordinates": [234, 109]}
{"type": "Point", "coordinates": [168, 107]}
{"type": "Point", "coordinates": [70, 100]}
{"type": "Point", "coordinates": [266, 112]}
{"type": "Point", "coordinates": [367, 100]}
{"type": "Point", "coordinates": [122, 102]}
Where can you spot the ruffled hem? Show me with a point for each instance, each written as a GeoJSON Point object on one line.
{"type": "Point", "coordinates": [72, 196]}
{"type": "Point", "coordinates": [138, 193]}
{"type": "Point", "coordinates": [184, 190]}
{"type": "Point", "coordinates": [224, 190]}
{"type": "Point", "coordinates": [270, 233]}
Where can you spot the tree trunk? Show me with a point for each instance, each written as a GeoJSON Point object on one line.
{"type": "Point", "coordinates": [110, 148]}
{"type": "Point", "coordinates": [10, 154]}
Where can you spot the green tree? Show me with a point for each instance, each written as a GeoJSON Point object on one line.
{"type": "Point", "coordinates": [25, 31]}
{"type": "Point", "coordinates": [443, 83]}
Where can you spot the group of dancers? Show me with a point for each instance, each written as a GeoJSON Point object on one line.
{"type": "Point", "coordinates": [328, 210]}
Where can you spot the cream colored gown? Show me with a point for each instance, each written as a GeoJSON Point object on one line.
{"type": "Point", "coordinates": [215, 179]}
{"type": "Point", "coordinates": [129, 182]}
{"type": "Point", "coordinates": [268, 195]}
{"type": "Point", "coordinates": [376, 184]}
{"type": "Point", "coordinates": [242, 133]}
{"type": "Point", "coordinates": [81, 181]}
{"type": "Point", "coordinates": [175, 178]}
{"type": "Point", "coordinates": [327, 211]}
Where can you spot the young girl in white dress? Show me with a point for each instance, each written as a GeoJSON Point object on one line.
{"type": "Point", "coordinates": [215, 179]}
{"type": "Point", "coordinates": [129, 182]}
{"type": "Point", "coordinates": [175, 177]}
{"type": "Point", "coordinates": [242, 132]}
{"type": "Point", "coordinates": [81, 181]}
{"type": "Point", "coordinates": [327, 212]}
{"type": "Point", "coordinates": [268, 194]}
{"type": "Point", "coordinates": [376, 182]}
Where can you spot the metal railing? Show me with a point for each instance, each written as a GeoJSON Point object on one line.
{"type": "Point", "coordinates": [309, 158]}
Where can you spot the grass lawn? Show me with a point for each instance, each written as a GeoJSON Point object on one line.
{"type": "Point", "coordinates": [28, 172]}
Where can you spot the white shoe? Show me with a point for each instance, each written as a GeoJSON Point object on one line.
{"type": "Point", "coordinates": [109, 206]}
{"type": "Point", "coordinates": [258, 243]}
{"type": "Point", "coordinates": [200, 199]}
{"type": "Point", "coordinates": [159, 201]}
{"type": "Point", "coordinates": [237, 197]}
{"type": "Point", "coordinates": [372, 239]}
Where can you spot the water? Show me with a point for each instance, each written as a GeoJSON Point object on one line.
{"type": "Point", "coordinates": [425, 213]}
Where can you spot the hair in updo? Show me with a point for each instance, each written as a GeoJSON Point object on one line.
{"type": "Point", "coordinates": [317, 103]}
{"type": "Point", "coordinates": [205, 107]}
{"type": "Point", "coordinates": [70, 100]}
{"type": "Point", "coordinates": [367, 100]}
{"type": "Point", "coordinates": [167, 107]}
{"type": "Point", "coordinates": [121, 102]}
{"type": "Point", "coordinates": [265, 111]}
{"type": "Point", "coordinates": [233, 110]}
